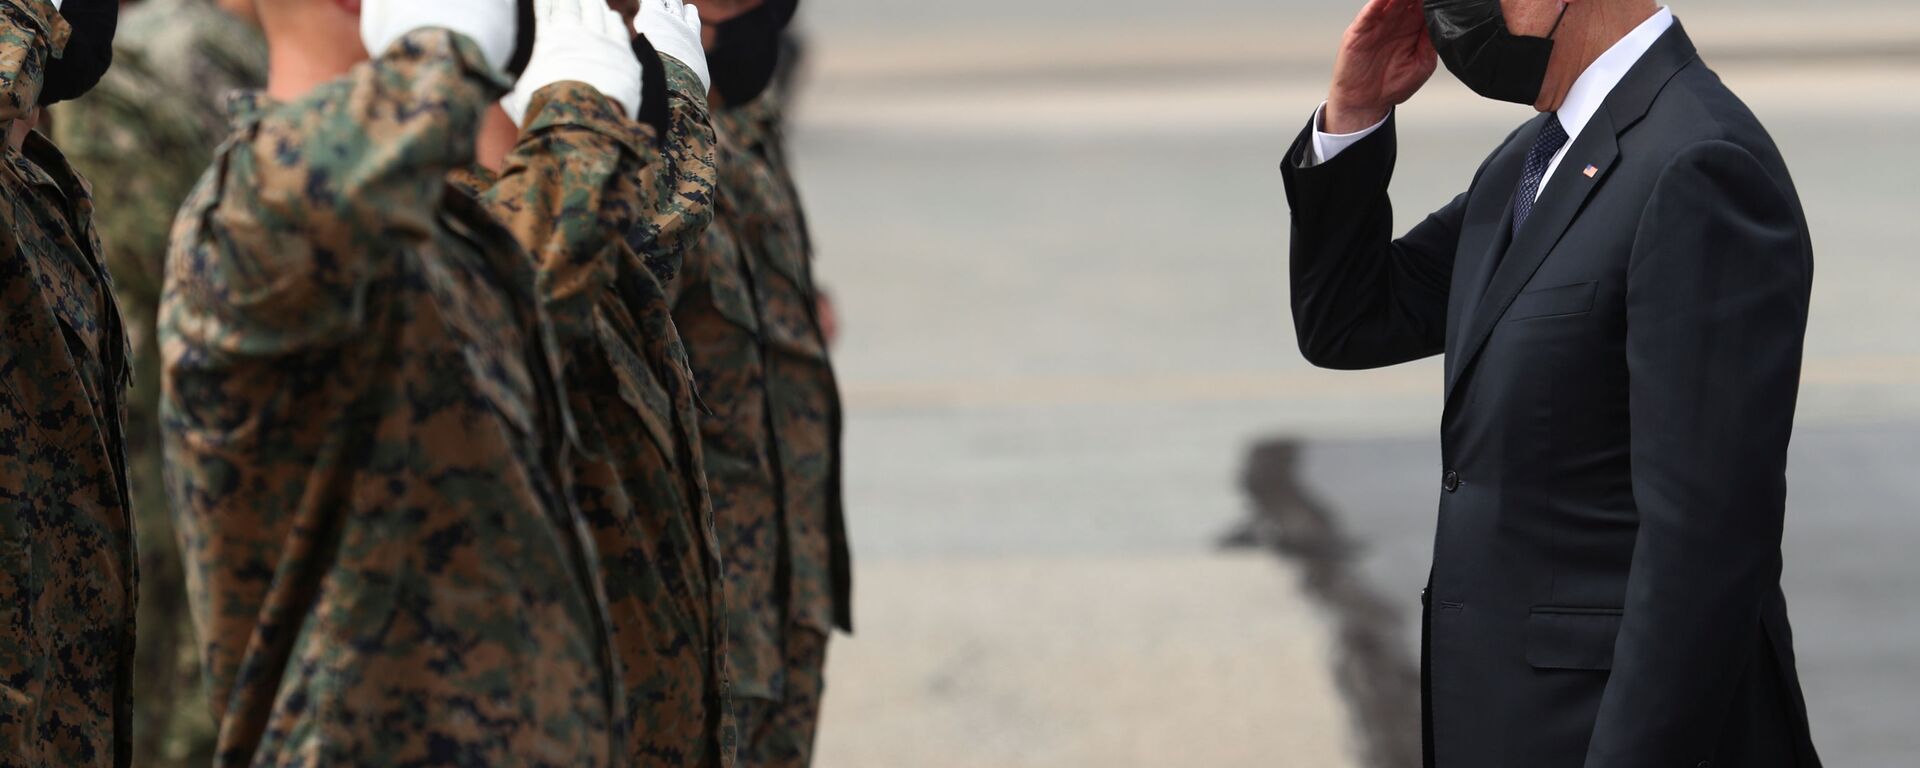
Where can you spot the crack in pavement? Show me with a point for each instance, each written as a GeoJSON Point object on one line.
{"type": "Point", "coordinates": [1380, 683]}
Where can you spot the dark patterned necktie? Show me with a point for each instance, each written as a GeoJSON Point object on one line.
{"type": "Point", "coordinates": [1552, 137]}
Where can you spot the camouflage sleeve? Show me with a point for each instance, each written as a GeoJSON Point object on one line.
{"type": "Point", "coordinates": [561, 195]}
{"type": "Point", "coordinates": [31, 31]}
{"type": "Point", "coordinates": [312, 193]}
{"type": "Point", "coordinates": [680, 188]}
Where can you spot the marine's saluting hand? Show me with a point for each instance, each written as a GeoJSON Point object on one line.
{"type": "Point", "coordinates": [582, 41]}
{"type": "Point", "coordinates": [673, 27]}
{"type": "Point", "coordinates": [490, 24]}
{"type": "Point", "coordinates": [1385, 58]}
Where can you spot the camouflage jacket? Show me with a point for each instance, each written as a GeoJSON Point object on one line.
{"type": "Point", "coordinates": [67, 572]}
{"type": "Point", "coordinates": [745, 304]}
{"type": "Point", "coordinates": [366, 443]}
{"type": "Point", "coordinates": [581, 178]}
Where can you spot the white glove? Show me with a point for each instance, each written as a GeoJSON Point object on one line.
{"type": "Point", "coordinates": [583, 41]}
{"type": "Point", "coordinates": [673, 27]}
{"type": "Point", "coordinates": [490, 24]}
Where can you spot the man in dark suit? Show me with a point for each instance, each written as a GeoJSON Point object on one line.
{"type": "Point", "coordinates": [1621, 296]}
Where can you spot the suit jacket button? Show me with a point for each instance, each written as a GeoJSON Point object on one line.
{"type": "Point", "coordinates": [1451, 482]}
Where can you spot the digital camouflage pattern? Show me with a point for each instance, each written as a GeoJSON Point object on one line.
{"type": "Point", "coordinates": [780, 733]}
{"type": "Point", "coordinates": [366, 443]}
{"type": "Point", "coordinates": [582, 177]}
{"type": "Point", "coordinates": [151, 126]}
{"type": "Point", "coordinates": [746, 306]}
{"type": "Point", "coordinates": [67, 571]}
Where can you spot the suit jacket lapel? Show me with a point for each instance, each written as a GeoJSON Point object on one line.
{"type": "Point", "coordinates": [1567, 194]}
{"type": "Point", "coordinates": [1482, 246]}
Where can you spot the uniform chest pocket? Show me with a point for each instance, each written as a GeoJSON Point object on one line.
{"type": "Point", "coordinates": [1560, 301]}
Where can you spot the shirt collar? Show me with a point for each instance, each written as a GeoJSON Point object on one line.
{"type": "Point", "coordinates": [1606, 72]}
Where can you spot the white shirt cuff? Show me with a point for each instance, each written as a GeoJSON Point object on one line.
{"type": "Point", "coordinates": [1327, 146]}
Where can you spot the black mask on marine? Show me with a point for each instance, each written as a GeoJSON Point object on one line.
{"type": "Point", "coordinates": [1475, 44]}
{"type": "Point", "coordinates": [522, 39]}
{"type": "Point", "coordinates": [746, 50]}
{"type": "Point", "coordinates": [89, 50]}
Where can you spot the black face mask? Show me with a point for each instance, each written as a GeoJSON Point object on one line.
{"type": "Point", "coordinates": [89, 50]}
{"type": "Point", "coordinates": [1473, 41]}
{"type": "Point", "coordinates": [746, 50]}
{"type": "Point", "coordinates": [522, 39]}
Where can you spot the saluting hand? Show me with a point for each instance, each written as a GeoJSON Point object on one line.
{"type": "Point", "coordinates": [581, 41]}
{"type": "Point", "coordinates": [1385, 58]}
{"type": "Point", "coordinates": [673, 27]}
{"type": "Point", "coordinates": [490, 24]}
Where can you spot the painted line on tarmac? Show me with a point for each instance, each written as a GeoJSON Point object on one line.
{"type": "Point", "coordinates": [1405, 381]}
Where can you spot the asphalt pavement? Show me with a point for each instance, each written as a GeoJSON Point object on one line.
{"type": "Point", "coordinates": [1057, 237]}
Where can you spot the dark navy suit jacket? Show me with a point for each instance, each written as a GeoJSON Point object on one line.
{"type": "Point", "coordinates": [1620, 388]}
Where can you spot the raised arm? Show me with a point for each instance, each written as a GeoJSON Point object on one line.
{"type": "Point", "coordinates": [562, 190]}
{"type": "Point", "coordinates": [679, 190]}
{"type": "Point", "coordinates": [1717, 295]}
{"type": "Point", "coordinates": [1362, 299]}
{"type": "Point", "coordinates": [311, 197]}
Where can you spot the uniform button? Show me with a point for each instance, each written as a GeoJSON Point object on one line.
{"type": "Point", "coordinates": [1451, 482]}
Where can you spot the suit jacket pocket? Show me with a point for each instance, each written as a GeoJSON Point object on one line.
{"type": "Point", "coordinates": [1576, 299]}
{"type": "Point", "coordinates": [1572, 638]}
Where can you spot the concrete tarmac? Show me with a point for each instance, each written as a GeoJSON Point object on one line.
{"type": "Point", "coordinates": [1057, 237]}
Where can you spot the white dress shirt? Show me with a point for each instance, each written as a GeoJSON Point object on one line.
{"type": "Point", "coordinates": [1583, 100]}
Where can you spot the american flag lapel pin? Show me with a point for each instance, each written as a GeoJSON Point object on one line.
{"type": "Point", "coordinates": [1592, 171]}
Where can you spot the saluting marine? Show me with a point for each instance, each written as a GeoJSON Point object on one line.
{"type": "Point", "coordinates": [583, 174]}
{"type": "Point", "coordinates": [747, 308]}
{"type": "Point", "coordinates": [150, 128]}
{"type": "Point", "coordinates": [67, 568]}
{"type": "Point", "coordinates": [365, 431]}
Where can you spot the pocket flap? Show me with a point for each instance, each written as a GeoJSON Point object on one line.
{"type": "Point", "coordinates": [1572, 638]}
{"type": "Point", "coordinates": [1573, 299]}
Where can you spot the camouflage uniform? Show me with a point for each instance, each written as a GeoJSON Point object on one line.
{"type": "Point", "coordinates": [581, 178]}
{"type": "Point", "coordinates": [746, 306]}
{"type": "Point", "coordinates": [67, 571]}
{"type": "Point", "coordinates": [151, 126]}
{"type": "Point", "coordinates": [365, 439]}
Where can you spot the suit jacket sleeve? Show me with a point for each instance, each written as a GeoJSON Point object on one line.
{"type": "Point", "coordinates": [1717, 294]}
{"type": "Point", "coordinates": [1362, 299]}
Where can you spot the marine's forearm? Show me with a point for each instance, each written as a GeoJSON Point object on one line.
{"type": "Point", "coordinates": [678, 190]}
{"type": "Point", "coordinates": [563, 195]}
{"type": "Point", "coordinates": [363, 159]}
